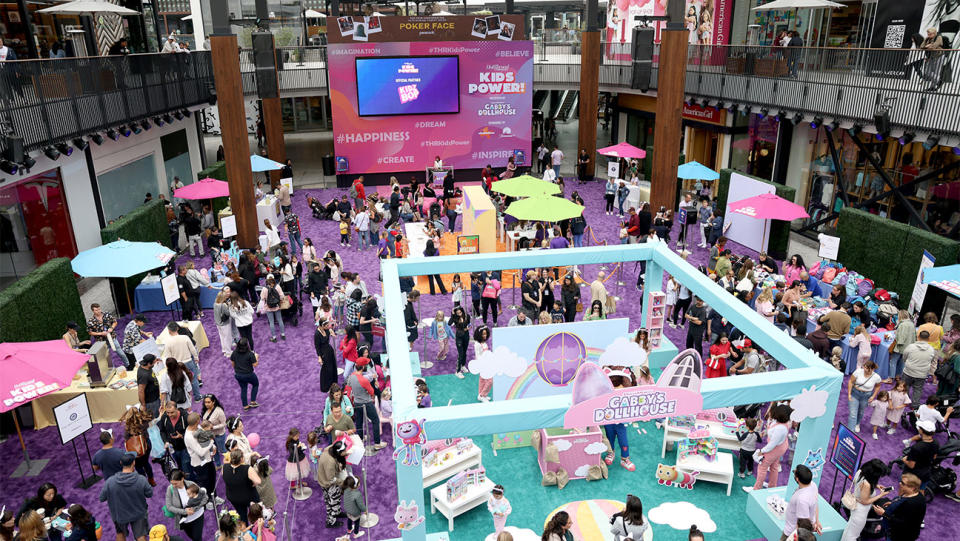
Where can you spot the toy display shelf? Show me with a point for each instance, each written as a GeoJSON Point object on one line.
{"type": "Point", "coordinates": [475, 496]}
{"type": "Point", "coordinates": [457, 463]}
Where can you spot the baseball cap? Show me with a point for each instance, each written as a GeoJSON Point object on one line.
{"type": "Point", "coordinates": [158, 532]}
{"type": "Point", "coordinates": [927, 426]}
{"type": "Point", "coordinates": [362, 361]}
{"type": "Point", "coordinates": [747, 343]}
{"type": "Point", "coordinates": [127, 459]}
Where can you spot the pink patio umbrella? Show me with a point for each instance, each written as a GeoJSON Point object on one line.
{"type": "Point", "coordinates": [767, 206]}
{"type": "Point", "coordinates": [207, 188]}
{"type": "Point", "coordinates": [29, 370]}
{"type": "Point", "coordinates": [623, 150]}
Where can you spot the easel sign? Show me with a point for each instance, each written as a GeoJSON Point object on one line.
{"type": "Point", "coordinates": [73, 421]}
{"type": "Point", "coordinates": [847, 452]}
{"type": "Point", "coordinates": [143, 348]}
{"type": "Point", "coordinates": [171, 293]}
{"type": "Point", "coordinates": [613, 169]}
{"type": "Point", "coordinates": [229, 225]}
{"type": "Point", "coordinates": [829, 247]}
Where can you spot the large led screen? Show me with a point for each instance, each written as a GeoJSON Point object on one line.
{"type": "Point", "coordinates": [410, 85]}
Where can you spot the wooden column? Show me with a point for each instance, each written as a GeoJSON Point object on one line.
{"type": "Point", "coordinates": [589, 88]}
{"type": "Point", "coordinates": [236, 146]}
{"type": "Point", "coordinates": [273, 126]}
{"type": "Point", "coordinates": [668, 129]}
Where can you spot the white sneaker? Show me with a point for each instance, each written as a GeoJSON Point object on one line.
{"type": "Point", "coordinates": [479, 398]}
{"type": "Point", "coordinates": [209, 506]}
{"type": "Point", "coordinates": [891, 430]}
{"type": "Point", "coordinates": [358, 535]}
{"type": "Point", "coordinates": [766, 484]}
{"type": "Point", "coordinates": [460, 375]}
{"type": "Point", "coordinates": [748, 490]}
{"type": "Point", "coordinates": [856, 428]}
{"type": "Point", "coordinates": [742, 475]}
{"type": "Point", "coordinates": [906, 441]}
{"type": "Point", "coordinates": [875, 436]}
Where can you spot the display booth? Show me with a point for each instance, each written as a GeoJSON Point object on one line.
{"type": "Point", "coordinates": [570, 394]}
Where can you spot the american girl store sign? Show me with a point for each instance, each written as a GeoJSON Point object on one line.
{"type": "Point", "coordinates": [596, 402]}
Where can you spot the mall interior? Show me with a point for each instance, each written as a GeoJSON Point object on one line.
{"type": "Point", "coordinates": [845, 112]}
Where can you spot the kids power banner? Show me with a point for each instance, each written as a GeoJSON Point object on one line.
{"type": "Point", "coordinates": [707, 21]}
{"type": "Point", "coordinates": [398, 105]}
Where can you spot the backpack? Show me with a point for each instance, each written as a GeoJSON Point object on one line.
{"type": "Point", "coordinates": [829, 274]}
{"type": "Point", "coordinates": [851, 285]}
{"type": "Point", "coordinates": [273, 298]}
{"type": "Point", "coordinates": [864, 287]}
{"type": "Point", "coordinates": [882, 295]}
{"type": "Point", "coordinates": [353, 191]}
{"type": "Point", "coordinates": [178, 395]}
{"type": "Point", "coordinates": [840, 279]}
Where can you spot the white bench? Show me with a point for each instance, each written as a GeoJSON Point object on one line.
{"type": "Point", "coordinates": [474, 497]}
{"type": "Point", "coordinates": [719, 470]}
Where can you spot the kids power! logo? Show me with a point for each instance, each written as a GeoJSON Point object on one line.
{"type": "Point", "coordinates": [497, 82]}
{"type": "Point", "coordinates": [409, 92]}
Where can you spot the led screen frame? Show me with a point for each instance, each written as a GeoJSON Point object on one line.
{"type": "Point", "coordinates": [357, 60]}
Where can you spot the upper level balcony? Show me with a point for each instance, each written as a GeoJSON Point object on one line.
{"type": "Point", "coordinates": [57, 100]}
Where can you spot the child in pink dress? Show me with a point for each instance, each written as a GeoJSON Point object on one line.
{"type": "Point", "coordinates": [878, 417]}
{"type": "Point", "coordinates": [499, 507]}
{"type": "Point", "coordinates": [898, 400]}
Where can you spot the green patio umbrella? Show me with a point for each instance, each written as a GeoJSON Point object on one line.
{"type": "Point", "coordinates": [525, 186]}
{"type": "Point", "coordinates": [544, 208]}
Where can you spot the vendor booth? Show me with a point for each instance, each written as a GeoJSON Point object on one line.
{"type": "Point", "coordinates": [568, 366]}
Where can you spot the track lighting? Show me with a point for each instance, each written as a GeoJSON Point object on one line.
{"type": "Point", "coordinates": [931, 142]}
{"type": "Point", "coordinates": [96, 138]}
{"type": "Point", "coordinates": [79, 143]}
{"type": "Point", "coordinates": [816, 122]}
{"type": "Point", "coordinates": [798, 119]}
{"type": "Point", "coordinates": [146, 124]}
{"type": "Point", "coordinates": [855, 129]}
{"type": "Point", "coordinates": [28, 162]}
{"type": "Point", "coordinates": [882, 135]}
{"type": "Point", "coordinates": [51, 153]}
{"type": "Point", "coordinates": [64, 149]}
{"type": "Point", "coordinates": [125, 131]}
{"type": "Point", "coordinates": [732, 108]}
{"type": "Point", "coordinates": [135, 128]}
{"type": "Point", "coordinates": [907, 137]}
{"type": "Point", "coordinates": [833, 125]}
{"type": "Point", "coordinates": [8, 167]}
{"type": "Point", "coordinates": [167, 118]}
{"type": "Point", "coordinates": [178, 115]}
{"type": "Point", "coordinates": [112, 134]}
{"type": "Point", "coordinates": [186, 113]}
{"type": "Point", "coordinates": [763, 112]}
{"type": "Point", "coordinates": [158, 121]}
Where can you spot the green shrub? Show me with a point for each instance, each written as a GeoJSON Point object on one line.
{"type": "Point", "coordinates": [779, 229]}
{"type": "Point", "coordinates": [147, 223]}
{"type": "Point", "coordinates": [887, 251]}
{"type": "Point", "coordinates": [38, 306]}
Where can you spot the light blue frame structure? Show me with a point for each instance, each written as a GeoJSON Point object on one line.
{"type": "Point", "coordinates": [804, 369]}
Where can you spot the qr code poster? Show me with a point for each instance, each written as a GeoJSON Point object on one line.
{"type": "Point", "coordinates": [896, 35]}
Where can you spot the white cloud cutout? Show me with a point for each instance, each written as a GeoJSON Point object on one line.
{"type": "Point", "coordinates": [595, 448]}
{"type": "Point", "coordinates": [582, 471]}
{"type": "Point", "coordinates": [682, 515]}
{"type": "Point", "coordinates": [810, 403]}
{"type": "Point", "coordinates": [562, 445]}
{"type": "Point", "coordinates": [623, 352]}
{"type": "Point", "coordinates": [498, 362]}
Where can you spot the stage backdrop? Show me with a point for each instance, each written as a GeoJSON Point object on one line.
{"type": "Point", "coordinates": [472, 108]}
{"type": "Point", "coordinates": [549, 352]}
{"type": "Point", "coordinates": [744, 229]}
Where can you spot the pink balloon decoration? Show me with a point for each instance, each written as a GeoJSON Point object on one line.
{"type": "Point", "coordinates": [254, 440]}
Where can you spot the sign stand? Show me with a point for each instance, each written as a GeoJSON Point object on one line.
{"type": "Point", "coordinates": [73, 420]}
{"type": "Point", "coordinates": [171, 293]}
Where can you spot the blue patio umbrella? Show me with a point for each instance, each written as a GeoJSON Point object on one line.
{"type": "Point", "coordinates": [121, 259]}
{"type": "Point", "coordinates": [946, 278]}
{"type": "Point", "coordinates": [697, 171]}
{"type": "Point", "coordinates": [260, 164]}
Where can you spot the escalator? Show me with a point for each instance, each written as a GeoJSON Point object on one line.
{"type": "Point", "coordinates": [568, 106]}
{"type": "Point", "coordinates": [540, 98]}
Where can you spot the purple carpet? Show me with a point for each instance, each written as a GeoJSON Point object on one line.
{"type": "Point", "coordinates": [289, 396]}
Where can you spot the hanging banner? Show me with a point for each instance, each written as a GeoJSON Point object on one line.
{"type": "Point", "coordinates": [707, 21]}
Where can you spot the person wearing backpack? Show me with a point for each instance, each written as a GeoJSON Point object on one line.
{"type": "Point", "coordinates": [359, 383]}
{"type": "Point", "coordinates": [175, 384]}
{"type": "Point", "coordinates": [271, 298]}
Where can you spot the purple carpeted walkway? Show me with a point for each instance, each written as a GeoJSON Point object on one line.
{"type": "Point", "coordinates": [290, 397]}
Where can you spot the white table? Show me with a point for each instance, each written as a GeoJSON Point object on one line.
{"type": "Point", "coordinates": [725, 439]}
{"type": "Point", "coordinates": [476, 496]}
{"type": "Point", "coordinates": [458, 463]}
{"type": "Point", "coordinates": [719, 470]}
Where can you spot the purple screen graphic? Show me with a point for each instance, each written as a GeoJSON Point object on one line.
{"type": "Point", "coordinates": [414, 85]}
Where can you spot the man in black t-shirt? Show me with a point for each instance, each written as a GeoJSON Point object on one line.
{"type": "Point", "coordinates": [904, 515]}
{"type": "Point", "coordinates": [148, 388]}
{"type": "Point", "coordinates": [696, 318]}
{"type": "Point", "coordinates": [530, 291]}
{"type": "Point", "coordinates": [394, 206]}
{"type": "Point", "coordinates": [369, 314]}
{"type": "Point", "coordinates": [919, 457]}
{"type": "Point", "coordinates": [188, 294]}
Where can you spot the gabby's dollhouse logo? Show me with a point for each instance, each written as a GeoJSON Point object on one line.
{"type": "Point", "coordinates": [677, 392]}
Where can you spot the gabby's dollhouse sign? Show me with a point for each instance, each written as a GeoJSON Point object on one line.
{"type": "Point", "coordinates": [677, 392]}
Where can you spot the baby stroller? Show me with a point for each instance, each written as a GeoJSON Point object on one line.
{"type": "Point", "coordinates": [292, 313]}
{"type": "Point", "coordinates": [909, 419]}
{"type": "Point", "coordinates": [943, 480]}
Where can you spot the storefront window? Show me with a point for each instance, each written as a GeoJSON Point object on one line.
{"type": "Point", "coordinates": [34, 225]}
{"type": "Point", "coordinates": [753, 151]}
{"type": "Point", "coordinates": [176, 158]}
{"type": "Point", "coordinates": [124, 188]}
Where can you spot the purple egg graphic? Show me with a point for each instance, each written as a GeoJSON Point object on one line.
{"type": "Point", "coordinates": [559, 357]}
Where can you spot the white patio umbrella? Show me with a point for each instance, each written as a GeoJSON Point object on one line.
{"type": "Point", "coordinates": [187, 18]}
{"type": "Point", "coordinates": [83, 7]}
{"type": "Point", "coordinates": [311, 14]}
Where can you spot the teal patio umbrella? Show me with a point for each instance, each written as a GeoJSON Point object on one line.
{"type": "Point", "coordinates": [696, 171]}
{"type": "Point", "coordinates": [121, 259]}
{"type": "Point", "coordinates": [259, 164]}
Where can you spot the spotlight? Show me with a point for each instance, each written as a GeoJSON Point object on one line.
{"type": "Point", "coordinates": [781, 114]}
{"type": "Point", "coordinates": [125, 131]}
{"type": "Point", "coordinates": [817, 122]}
{"type": "Point", "coordinates": [9, 168]}
{"type": "Point", "coordinates": [882, 135]}
{"type": "Point", "coordinates": [855, 129]}
{"type": "Point", "coordinates": [79, 143]}
{"type": "Point", "coordinates": [763, 112]}
{"type": "Point", "coordinates": [718, 106]}
{"type": "Point", "coordinates": [881, 119]}
{"type": "Point", "coordinates": [931, 142]}
{"type": "Point", "coordinates": [907, 137]}
{"type": "Point", "coordinates": [178, 115]}
{"type": "Point", "coordinates": [186, 113]}
{"type": "Point", "coordinates": [112, 134]}
{"type": "Point", "coordinates": [688, 101]}
{"type": "Point", "coordinates": [96, 138]}
{"type": "Point", "coordinates": [51, 153]}
{"type": "Point", "coordinates": [158, 121]}
{"type": "Point", "coordinates": [64, 149]}
{"type": "Point", "coordinates": [956, 150]}
{"type": "Point", "coordinates": [733, 108]}
{"type": "Point", "coordinates": [167, 118]}
{"type": "Point", "coordinates": [135, 128]}
{"type": "Point", "coordinates": [28, 162]}
{"type": "Point", "coordinates": [798, 119]}
{"type": "Point", "coordinates": [833, 125]}
{"type": "Point", "coordinates": [146, 124]}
